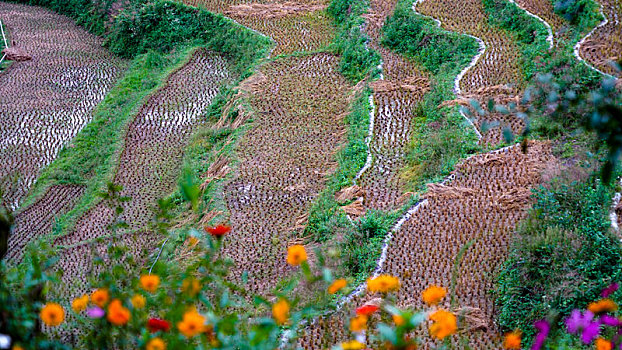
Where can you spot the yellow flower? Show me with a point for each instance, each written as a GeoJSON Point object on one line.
{"type": "Point", "coordinates": [52, 314]}
{"type": "Point", "coordinates": [192, 324]}
{"type": "Point", "coordinates": [280, 311]}
{"type": "Point", "coordinates": [337, 286]}
{"type": "Point", "coordinates": [117, 313]}
{"type": "Point", "coordinates": [603, 305]}
{"type": "Point", "coordinates": [358, 323]}
{"type": "Point", "coordinates": [383, 284]}
{"type": "Point", "coordinates": [602, 344]}
{"type": "Point", "coordinates": [100, 297]}
{"type": "Point", "coordinates": [398, 320]}
{"type": "Point", "coordinates": [138, 301]}
{"type": "Point", "coordinates": [433, 295]}
{"type": "Point", "coordinates": [156, 344]}
{"type": "Point", "coordinates": [80, 304]}
{"type": "Point", "coordinates": [149, 282]}
{"type": "Point", "coordinates": [512, 341]}
{"type": "Point", "coordinates": [296, 254]}
{"type": "Point", "coordinates": [352, 345]}
{"type": "Point", "coordinates": [17, 347]}
{"type": "Point", "coordinates": [444, 324]}
{"type": "Point", "coordinates": [191, 286]}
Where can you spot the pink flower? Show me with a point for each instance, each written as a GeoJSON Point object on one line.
{"type": "Point", "coordinates": [95, 312]}
{"type": "Point", "coordinates": [577, 321]}
{"type": "Point", "coordinates": [590, 332]}
{"type": "Point", "coordinates": [543, 328]}
{"type": "Point", "coordinates": [610, 290]}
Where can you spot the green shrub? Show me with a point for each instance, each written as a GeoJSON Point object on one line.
{"type": "Point", "coordinates": [563, 257]}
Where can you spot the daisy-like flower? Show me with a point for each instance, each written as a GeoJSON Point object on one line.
{"type": "Point", "coordinates": [280, 311]}
{"type": "Point", "coordinates": [52, 314]}
{"type": "Point", "coordinates": [433, 295]}
{"type": "Point", "coordinates": [149, 283]}
{"type": "Point", "coordinates": [296, 255]}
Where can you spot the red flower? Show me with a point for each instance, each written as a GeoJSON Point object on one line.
{"type": "Point", "coordinates": [366, 310]}
{"type": "Point", "coordinates": [218, 231]}
{"type": "Point", "coordinates": [156, 324]}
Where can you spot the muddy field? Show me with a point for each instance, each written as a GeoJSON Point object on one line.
{"type": "Point", "coordinates": [45, 101]}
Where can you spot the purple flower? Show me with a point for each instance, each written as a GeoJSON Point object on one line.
{"type": "Point", "coordinates": [610, 290]}
{"type": "Point", "coordinates": [95, 312]}
{"type": "Point", "coordinates": [543, 328]}
{"type": "Point", "coordinates": [578, 321]}
{"type": "Point", "coordinates": [590, 332]}
{"type": "Point", "coordinates": [609, 320]}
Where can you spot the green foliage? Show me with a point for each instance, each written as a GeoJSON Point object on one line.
{"type": "Point", "coordinates": [362, 247]}
{"type": "Point", "coordinates": [580, 13]}
{"type": "Point", "coordinates": [421, 39]}
{"type": "Point", "coordinates": [564, 256]}
{"type": "Point", "coordinates": [357, 59]}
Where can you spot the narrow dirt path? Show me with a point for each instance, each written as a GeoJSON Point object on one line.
{"type": "Point", "coordinates": [150, 163]}
{"type": "Point", "coordinates": [45, 101]}
{"type": "Point", "coordinates": [395, 95]}
{"type": "Point", "coordinates": [604, 43]}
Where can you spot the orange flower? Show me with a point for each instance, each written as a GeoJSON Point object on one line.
{"type": "Point", "coordinates": [602, 344]}
{"type": "Point", "coordinates": [52, 314]}
{"type": "Point", "coordinates": [337, 286]}
{"type": "Point", "coordinates": [191, 286]}
{"type": "Point", "coordinates": [352, 345]}
{"type": "Point", "coordinates": [100, 297]}
{"type": "Point", "coordinates": [296, 254]}
{"type": "Point", "coordinates": [149, 283]}
{"type": "Point", "coordinates": [433, 295]}
{"type": "Point", "coordinates": [117, 314]}
{"type": "Point", "coordinates": [17, 347]}
{"type": "Point", "coordinates": [398, 320]}
{"type": "Point", "coordinates": [138, 301]}
{"type": "Point", "coordinates": [358, 323]}
{"type": "Point", "coordinates": [80, 304]}
{"type": "Point", "coordinates": [383, 284]}
{"type": "Point", "coordinates": [156, 344]}
{"type": "Point", "coordinates": [444, 324]}
{"type": "Point", "coordinates": [512, 340]}
{"type": "Point", "coordinates": [280, 311]}
{"type": "Point", "coordinates": [192, 324]}
{"type": "Point", "coordinates": [603, 305]}
{"type": "Point", "coordinates": [366, 310]}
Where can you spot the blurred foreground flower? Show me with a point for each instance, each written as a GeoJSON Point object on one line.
{"type": "Point", "coordinates": [352, 345]}
{"type": "Point", "coordinates": [138, 301]}
{"type": "Point", "coordinates": [218, 231]}
{"type": "Point", "coordinates": [52, 314]}
{"type": "Point", "coordinates": [433, 295]}
{"type": "Point", "coordinates": [444, 324]}
{"type": "Point", "coordinates": [602, 305]}
{"type": "Point", "coordinates": [366, 310]}
{"type": "Point", "coordinates": [512, 340]}
{"type": "Point", "coordinates": [296, 255]}
{"type": "Point", "coordinates": [280, 311]}
{"type": "Point", "coordinates": [156, 324]}
{"type": "Point", "coordinates": [117, 313]}
{"type": "Point", "coordinates": [80, 304]}
{"type": "Point", "coordinates": [337, 286]}
{"type": "Point", "coordinates": [100, 297]}
{"type": "Point", "coordinates": [95, 312]}
{"type": "Point", "coordinates": [192, 324]}
{"type": "Point", "coordinates": [383, 284]}
{"type": "Point", "coordinates": [156, 344]}
{"type": "Point", "coordinates": [358, 323]}
{"type": "Point", "coordinates": [149, 283]}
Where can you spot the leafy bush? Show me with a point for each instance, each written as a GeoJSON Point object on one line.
{"type": "Point", "coordinates": [357, 59]}
{"type": "Point", "coordinates": [575, 11]}
{"type": "Point", "coordinates": [564, 256]}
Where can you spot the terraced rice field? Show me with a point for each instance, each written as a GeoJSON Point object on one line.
{"type": "Point", "coordinates": [395, 96]}
{"type": "Point", "coordinates": [605, 43]}
{"type": "Point", "coordinates": [149, 165]}
{"type": "Point", "coordinates": [497, 73]}
{"type": "Point", "coordinates": [293, 25]}
{"type": "Point", "coordinates": [45, 101]}
{"type": "Point", "coordinates": [544, 9]}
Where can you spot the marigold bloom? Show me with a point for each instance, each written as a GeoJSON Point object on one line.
{"type": "Point", "coordinates": [218, 231]}
{"type": "Point", "coordinates": [512, 340]}
{"type": "Point", "coordinates": [191, 286]}
{"type": "Point", "coordinates": [352, 345]}
{"type": "Point", "coordinates": [296, 254]}
{"type": "Point", "coordinates": [156, 344]}
{"type": "Point", "coordinates": [80, 304]}
{"type": "Point", "coordinates": [156, 324]}
{"type": "Point", "coordinates": [358, 323]}
{"type": "Point", "coordinates": [337, 286]}
{"type": "Point", "coordinates": [366, 310]}
{"type": "Point", "coordinates": [444, 324]}
{"type": "Point", "coordinates": [602, 305]}
{"type": "Point", "coordinates": [138, 301]}
{"type": "Point", "coordinates": [602, 344]}
{"type": "Point", "coordinates": [383, 284]}
{"type": "Point", "coordinates": [100, 297]}
{"type": "Point", "coordinates": [118, 315]}
{"type": "Point", "coordinates": [192, 324]}
{"type": "Point", "coordinates": [280, 311]}
{"type": "Point", "coordinates": [398, 320]}
{"type": "Point", "coordinates": [52, 314]}
{"type": "Point", "coordinates": [149, 283]}
{"type": "Point", "coordinates": [17, 347]}
{"type": "Point", "coordinates": [433, 295]}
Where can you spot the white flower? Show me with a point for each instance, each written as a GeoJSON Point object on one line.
{"type": "Point", "coordinates": [5, 341]}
